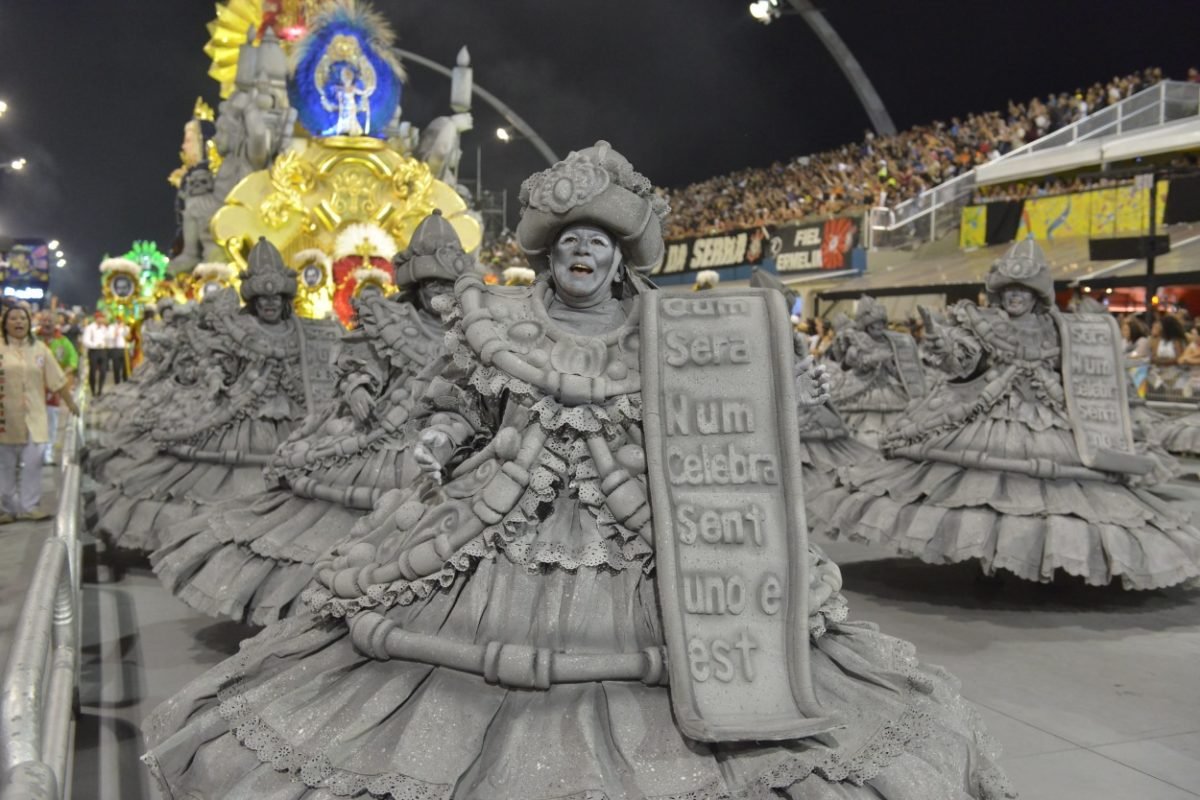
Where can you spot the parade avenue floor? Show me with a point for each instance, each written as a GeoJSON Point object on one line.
{"type": "Point", "coordinates": [1093, 693]}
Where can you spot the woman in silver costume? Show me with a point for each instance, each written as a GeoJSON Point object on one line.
{"type": "Point", "coordinates": [166, 385]}
{"type": "Point", "coordinates": [259, 388]}
{"type": "Point", "coordinates": [514, 541]}
{"type": "Point", "coordinates": [880, 372]}
{"type": "Point", "coordinates": [249, 558]}
{"type": "Point", "coordinates": [989, 465]}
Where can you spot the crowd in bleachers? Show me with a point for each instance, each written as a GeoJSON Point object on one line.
{"type": "Point", "coordinates": [501, 253]}
{"type": "Point", "coordinates": [884, 170]}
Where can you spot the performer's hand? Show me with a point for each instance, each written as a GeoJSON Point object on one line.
{"type": "Point", "coordinates": [812, 383]}
{"type": "Point", "coordinates": [433, 447]}
{"type": "Point", "coordinates": [360, 403]}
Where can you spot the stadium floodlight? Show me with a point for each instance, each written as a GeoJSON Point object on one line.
{"type": "Point", "coordinates": [765, 11]}
{"type": "Point", "coordinates": [503, 135]}
{"type": "Point", "coordinates": [58, 254]}
{"type": "Point", "coordinates": [3, 108]}
{"type": "Point", "coordinates": [62, 262]}
{"type": "Point", "coordinates": [18, 164]}
{"type": "Point", "coordinates": [54, 244]}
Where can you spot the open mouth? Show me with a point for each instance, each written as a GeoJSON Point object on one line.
{"type": "Point", "coordinates": [581, 269]}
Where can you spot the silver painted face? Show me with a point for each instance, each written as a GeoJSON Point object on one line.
{"type": "Point", "coordinates": [876, 329]}
{"type": "Point", "coordinates": [269, 307]}
{"type": "Point", "coordinates": [1017, 300]}
{"type": "Point", "coordinates": [584, 260]}
{"type": "Point", "coordinates": [428, 290]}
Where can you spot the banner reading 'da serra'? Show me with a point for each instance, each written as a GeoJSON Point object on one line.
{"type": "Point", "coordinates": [795, 248]}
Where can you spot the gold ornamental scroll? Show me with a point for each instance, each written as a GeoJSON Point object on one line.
{"type": "Point", "coordinates": [1094, 381]}
{"type": "Point", "coordinates": [730, 536]}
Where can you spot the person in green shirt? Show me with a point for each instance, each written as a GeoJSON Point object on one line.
{"type": "Point", "coordinates": [68, 359]}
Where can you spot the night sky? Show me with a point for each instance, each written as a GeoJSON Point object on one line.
{"type": "Point", "coordinates": [98, 90]}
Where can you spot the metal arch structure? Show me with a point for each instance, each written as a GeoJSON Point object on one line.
{"type": "Point", "coordinates": [509, 115]}
{"type": "Point", "coordinates": [881, 121]}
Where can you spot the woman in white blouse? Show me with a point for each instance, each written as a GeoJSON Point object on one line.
{"type": "Point", "coordinates": [27, 370]}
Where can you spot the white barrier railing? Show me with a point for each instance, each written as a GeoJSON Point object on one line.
{"type": "Point", "coordinates": [37, 719]}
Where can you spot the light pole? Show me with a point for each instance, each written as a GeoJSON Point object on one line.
{"type": "Point", "coordinates": [766, 11]}
{"type": "Point", "coordinates": [511, 116]}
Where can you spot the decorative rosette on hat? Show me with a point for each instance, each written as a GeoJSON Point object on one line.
{"type": "Point", "coordinates": [595, 185]}
{"type": "Point", "coordinates": [1023, 265]}
{"type": "Point", "coordinates": [266, 273]}
{"type": "Point", "coordinates": [434, 253]}
{"type": "Point", "coordinates": [868, 311]}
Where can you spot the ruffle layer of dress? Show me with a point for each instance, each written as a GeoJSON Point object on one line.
{"type": "Point", "coordinates": [163, 490]}
{"type": "Point", "coordinates": [249, 559]}
{"type": "Point", "coordinates": [1180, 435]}
{"type": "Point", "coordinates": [301, 713]}
{"type": "Point", "coordinates": [869, 426]}
{"type": "Point", "coordinates": [943, 513]}
{"type": "Point", "coordinates": [823, 458]}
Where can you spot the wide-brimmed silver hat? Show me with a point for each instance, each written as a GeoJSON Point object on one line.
{"type": "Point", "coordinates": [595, 185]}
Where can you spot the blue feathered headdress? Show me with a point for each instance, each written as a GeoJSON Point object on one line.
{"type": "Point", "coordinates": [350, 35]}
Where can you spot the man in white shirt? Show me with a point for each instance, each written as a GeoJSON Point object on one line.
{"type": "Point", "coordinates": [95, 341]}
{"type": "Point", "coordinates": [118, 340]}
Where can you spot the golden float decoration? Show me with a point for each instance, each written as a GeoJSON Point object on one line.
{"type": "Point", "coordinates": [227, 33]}
{"type": "Point", "coordinates": [319, 186]}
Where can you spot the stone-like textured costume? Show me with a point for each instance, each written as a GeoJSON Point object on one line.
{"type": "Point", "coordinates": [1180, 435]}
{"type": "Point", "coordinates": [167, 391]}
{"type": "Point", "coordinates": [523, 546]}
{"type": "Point", "coordinates": [881, 372]}
{"type": "Point", "coordinates": [251, 557]}
{"type": "Point", "coordinates": [260, 383]}
{"type": "Point", "coordinates": [159, 339]}
{"type": "Point", "coordinates": [988, 466]}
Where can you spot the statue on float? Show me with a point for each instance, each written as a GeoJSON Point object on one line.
{"type": "Point", "coordinates": [250, 558]}
{"type": "Point", "coordinates": [263, 371]}
{"type": "Point", "coordinates": [881, 372]}
{"type": "Point", "coordinates": [253, 126]}
{"type": "Point", "coordinates": [515, 589]}
{"type": "Point", "coordinates": [1024, 458]}
{"type": "Point", "coordinates": [195, 201]}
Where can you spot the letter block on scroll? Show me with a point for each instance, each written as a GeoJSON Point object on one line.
{"type": "Point", "coordinates": [722, 450]}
